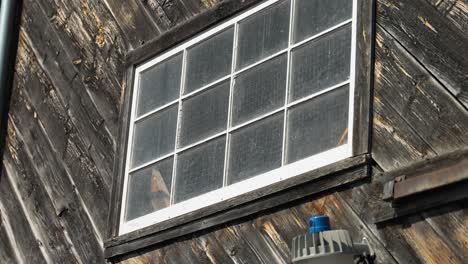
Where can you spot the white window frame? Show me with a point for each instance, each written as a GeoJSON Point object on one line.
{"type": "Point", "coordinates": [256, 182]}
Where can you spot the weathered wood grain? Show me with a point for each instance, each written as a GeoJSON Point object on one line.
{"type": "Point", "coordinates": [404, 84]}
{"type": "Point", "coordinates": [364, 76]}
{"type": "Point", "coordinates": [59, 188]}
{"type": "Point", "coordinates": [25, 243]}
{"type": "Point", "coordinates": [58, 65]}
{"type": "Point", "coordinates": [431, 39]}
{"type": "Point", "coordinates": [455, 11]}
{"type": "Point", "coordinates": [7, 252]}
{"type": "Point", "coordinates": [169, 13]}
{"type": "Point", "coordinates": [135, 24]}
{"type": "Point", "coordinates": [120, 157]}
{"type": "Point", "coordinates": [422, 237]}
{"type": "Point", "coordinates": [92, 41]}
{"type": "Point", "coordinates": [36, 203]}
{"type": "Point", "coordinates": [70, 151]}
{"type": "Point", "coordinates": [451, 225]}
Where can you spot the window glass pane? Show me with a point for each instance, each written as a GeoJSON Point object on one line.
{"type": "Point", "coordinates": [154, 136]}
{"type": "Point", "coordinates": [314, 16]}
{"type": "Point", "coordinates": [200, 170]}
{"type": "Point", "coordinates": [263, 34]}
{"type": "Point", "coordinates": [318, 125]}
{"type": "Point", "coordinates": [209, 61]}
{"type": "Point", "coordinates": [256, 149]}
{"type": "Point", "coordinates": [259, 90]}
{"type": "Point", "coordinates": [159, 85]}
{"type": "Point", "coordinates": [321, 63]}
{"type": "Point", "coordinates": [149, 189]}
{"type": "Point", "coordinates": [205, 114]}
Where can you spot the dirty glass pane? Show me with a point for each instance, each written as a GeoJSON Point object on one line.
{"type": "Point", "coordinates": [159, 85]}
{"type": "Point", "coordinates": [200, 170]}
{"type": "Point", "coordinates": [315, 16]}
{"type": "Point", "coordinates": [263, 34]}
{"type": "Point", "coordinates": [149, 189]}
{"type": "Point", "coordinates": [256, 148]}
{"type": "Point", "coordinates": [318, 125]}
{"type": "Point", "coordinates": [322, 63]}
{"type": "Point", "coordinates": [209, 60]}
{"type": "Point", "coordinates": [154, 136]}
{"type": "Point", "coordinates": [205, 114]}
{"type": "Point", "coordinates": [259, 90]}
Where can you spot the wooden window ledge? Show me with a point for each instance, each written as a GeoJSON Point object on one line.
{"type": "Point", "coordinates": [313, 182]}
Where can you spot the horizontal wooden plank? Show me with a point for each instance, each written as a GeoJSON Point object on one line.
{"type": "Point", "coordinates": [420, 166]}
{"type": "Point", "coordinates": [290, 190]}
{"type": "Point", "coordinates": [433, 174]}
{"type": "Point", "coordinates": [420, 203]}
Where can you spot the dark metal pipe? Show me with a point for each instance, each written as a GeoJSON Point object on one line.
{"type": "Point", "coordinates": [9, 20]}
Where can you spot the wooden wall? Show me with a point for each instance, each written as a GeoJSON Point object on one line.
{"type": "Point", "coordinates": [63, 120]}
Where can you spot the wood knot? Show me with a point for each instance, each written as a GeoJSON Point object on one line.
{"type": "Point", "coordinates": [233, 252]}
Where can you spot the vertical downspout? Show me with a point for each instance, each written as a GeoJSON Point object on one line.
{"type": "Point", "coordinates": [9, 28]}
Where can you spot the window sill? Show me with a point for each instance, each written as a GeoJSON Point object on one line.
{"type": "Point", "coordinates": [313, 182]}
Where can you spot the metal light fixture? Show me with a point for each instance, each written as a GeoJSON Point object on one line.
{"type": "Point", "coordinates": [325, 246]}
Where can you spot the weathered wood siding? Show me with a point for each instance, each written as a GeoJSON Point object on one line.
{"type": "Point", "coordinates": [63, 122]}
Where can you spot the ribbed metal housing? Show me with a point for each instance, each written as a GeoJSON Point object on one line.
{"type": "Point", "coordinates": [311, 248]}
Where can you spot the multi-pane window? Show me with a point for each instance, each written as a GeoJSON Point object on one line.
{"type": "Point", "coordinates": [260, 98]}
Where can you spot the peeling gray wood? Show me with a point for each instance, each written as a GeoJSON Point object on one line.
{"type": "Point", "coordinates": [27, 244]}
{"type": "Point", "coordinates": [72, 154]}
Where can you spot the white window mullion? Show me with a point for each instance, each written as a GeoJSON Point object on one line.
{"type": "Point", "coordinates": [231, 99]}
{"type": "Point", "coordinates": [178, 127]}
{"type": "Point", "coordinates": [286, 96]}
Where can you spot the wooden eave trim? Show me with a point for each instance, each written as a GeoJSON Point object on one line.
{"type": "Point", "coordinates": [313, 182]}
{"type": "Point", "coordinates": [426, 184]}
